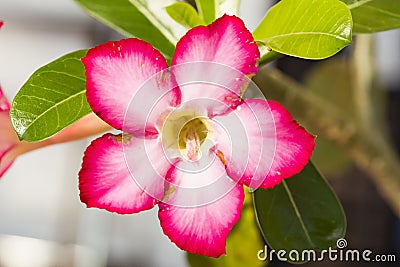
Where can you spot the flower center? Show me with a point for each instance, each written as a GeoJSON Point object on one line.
{"type": "Point", "coordinates": [183, 133]}
{"type": "Point", "coordinates": [191, 137]}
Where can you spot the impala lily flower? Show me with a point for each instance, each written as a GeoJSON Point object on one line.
{"type": "Point", "coordinates": [187, 147]}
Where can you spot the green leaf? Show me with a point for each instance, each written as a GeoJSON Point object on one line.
{"type": "Point", "coordinates": [374, 15]}
{"type": "Point", "coordinates": [210, 10]}
{"type": "Point", "coordinates": [184, 14]}
{"type": "Point", "coordinates": [132, 21]}
{"type": "Point", "coordinates": [266, 55]}
{"type": "Point", "coordinates": [301, 213]}
{"type": "Point", "coordinates": [206, 10]}
{"type": "Point", "coordinates": [52, 98]}
{"type": "Point", "coordinates": [243, 243]}
{"type": "Point", "coordinates": [312, 29]}
{"type": "Point", "coordinates": [156, 13]}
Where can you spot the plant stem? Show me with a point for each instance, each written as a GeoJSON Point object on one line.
{"type": "Point", "coordinates": [269, 57]}
{"type": "Point", "coordinates": [362, 67]}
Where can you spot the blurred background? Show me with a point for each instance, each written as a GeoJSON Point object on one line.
{"type": "Point", "coordinates": [42, 221]}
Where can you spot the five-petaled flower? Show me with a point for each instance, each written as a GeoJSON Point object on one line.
{"type": "Point", "coordinates": [190, 138]}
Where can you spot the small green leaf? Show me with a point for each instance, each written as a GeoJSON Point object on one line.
{"type": "Point", "coordinates": [243, 243]}
{"type": "Point", "coordinates": [52, 98]}
{"type": "Point", "coordinates": [301, 213]}
{"type": "Point", "coordinates": [184, 14]}
{"type": "Point", "coordinates": [156, 13]}
{"type": "Point", "coordinates": [312, 29]}
{"type": "Point", "coordinates": [206, 10]}
{"type": "Point", "coordinates": [374, 15]}
{"type": "Point", "coordinates": [210, 10]}
{"type": "Point", "coordinates": [130, 21]}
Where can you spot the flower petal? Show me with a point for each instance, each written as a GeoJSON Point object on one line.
{"type": "Point", "coordinates": [265, 144]}
{"type": "Point", "coordinates": [214, 61]}
{"type": "Point", "coordinates": [240, 141]}
{"type": "Point", "coordinates": [105, 180]}
{"type": "Point", "coordinates": [217, 86]}
{"type": "Point", "coordinates": [294, 146]}
{"type": "Point", "coordinates": [201, 229]}
{"type": "Point", "coordinates": [197, 183]}
{"type": "Point", "coordinates": [4, 103]}
{"type": "Point", "coordinates": [8, 137]}
{"type": "Point", "coordinates": [226, 41]}
{"type": "Point", "coordinates": [115, 73]}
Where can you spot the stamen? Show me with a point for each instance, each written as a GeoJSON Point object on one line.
{"type": "Point", "coordinates": [192, 144]}
{"type": "Point", "coordinates": [221, 157]}
{"type": "Point", "coordinates": [191, 136]}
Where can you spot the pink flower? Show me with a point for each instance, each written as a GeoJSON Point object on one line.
{"type": "Point", "coordinates": [188, 147]}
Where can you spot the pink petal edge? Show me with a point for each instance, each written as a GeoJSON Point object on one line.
{"type": "Point", "coordinates": [200, 206]}
{"type": "Point", "coordinates": [214, 62]}
{"type": "Point", "coordinates": [4, 103]}
{"type": "Point", "coordinates": [226, 41]}
{"type": "Point", "coordinates": [105, 181]}
{"type": "Point", "coordinates": [294, 147]}
{"type": "Point", "coordinates": [246, 142]}
{"type": "Point", "coordinates": [276, 146]}
{"type": "Point", "coordinates": [115, 72]}
{"type": "Point", "coordinates": [203, 230]}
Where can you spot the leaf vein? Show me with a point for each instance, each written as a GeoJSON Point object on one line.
{"type": "Point", "coordinates": [61, 73]}
{"type": "Point", "coordinates": [296, 210]}
{"type": "Point", "coordinates": [383, 11]}
{"type": "Point", "coordinates": [309, 33]}
{"type": "Point", "coordinates": [53, 107]}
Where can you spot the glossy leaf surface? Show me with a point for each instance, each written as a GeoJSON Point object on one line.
{"type": "Point", "coordinates": [312, 29]}
{"type": "Point", "coordinates": [301, 213]}
{"type": "Point", "coordinates": [52, 98]}
{"type": "Point", "coordinates": [371, 16]}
